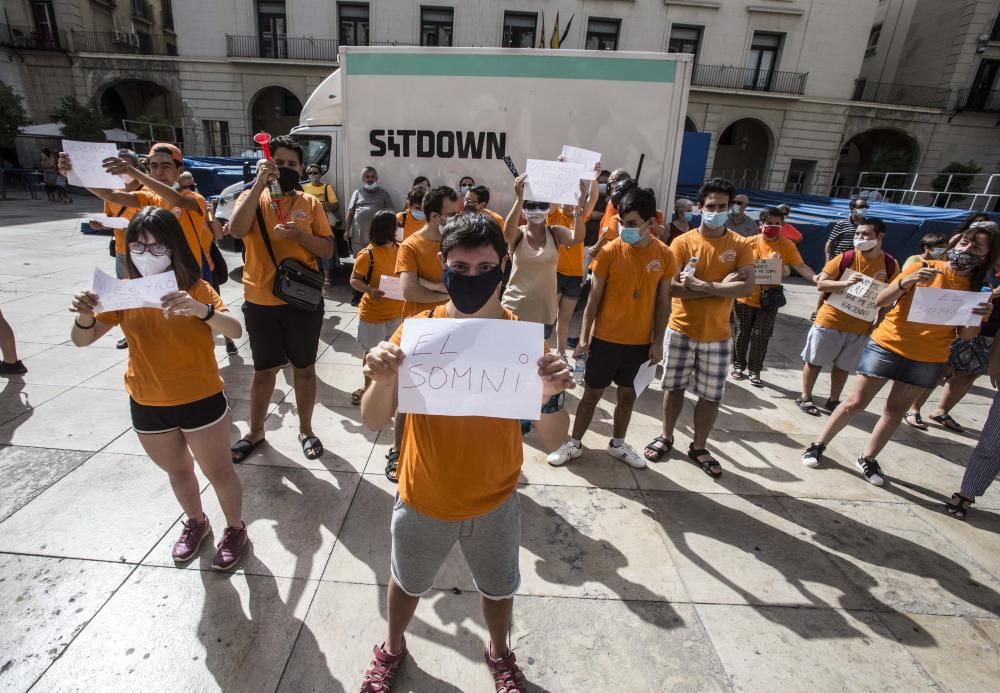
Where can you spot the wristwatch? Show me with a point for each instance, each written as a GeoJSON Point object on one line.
{"type": "Point", "coordinates": [554, 404]}
{"type": "Point", "coordinates": [211, 312]}
{"type": "Point", "coordinates": [578, 212]}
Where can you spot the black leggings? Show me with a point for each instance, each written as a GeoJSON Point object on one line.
{"type": "Point", "coordinates": [752, 328]}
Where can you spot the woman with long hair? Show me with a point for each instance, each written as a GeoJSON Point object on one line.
{"type": "Point", "coordinates": [176, 395]}
{"type": "Point", "coordinates": [910, 354]}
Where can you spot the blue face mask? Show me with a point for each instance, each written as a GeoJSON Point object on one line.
{"type": "Point", "coordinates": [418, 214]}
{"type": "Point", "coordinates": [689, 217]}
{"type": "Point", "coordinates": [714, 220]}
{"type": "Point", "coordinates": [630, 234]}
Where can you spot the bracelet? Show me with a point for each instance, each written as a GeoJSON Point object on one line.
{"type": "Point", "coordinates": [900, 282]}
{"type": "Point", "coordinates": [211, 313]}
{"type": "Point", "coordinates": [76, 321]}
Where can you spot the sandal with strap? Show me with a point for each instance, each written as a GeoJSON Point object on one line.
{"type": "Point", "coordinates": [755, 380]}
{"type": "Point", "coordinates": [737, 374]}
{"type": "Point", "coordinates": [658, 449]}
{"type": "Point", "coordinates": [807, 406]}
{"type": "Point", "coordinates": [392, 462]}
{"type": "Point", "coordinates": [958, 510]}
{"type": "Point", "coordinates": [914, 419]}
{"type": "Point", "coordinates": [948, 422]}
{"type": "Point", "coordinates": [357, 395]}
{"type": "Point", "coordinates": [710, 466]}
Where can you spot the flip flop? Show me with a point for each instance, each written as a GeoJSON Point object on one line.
{"type": "Point", "coordinates": [948, 422]}
{"type": "Point", "coordinates": [242, 449]}
{"type": "Point", "coordinates": [312, 448]}
{"type": "Point", "coordinates": [913, 418]}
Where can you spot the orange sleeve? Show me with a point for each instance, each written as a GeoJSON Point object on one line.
{"type": "Point", "coordinates": [832, 268]}
{"type": "Point", "coordinates": [361, 263]}
{"type": "Point", "coordinates": [680, 252]}
{"type": "Point", "coordinates": [745, 254]}
{"type": "Point", "coordinates": [612, 226]}
{"type": "Point", "coordinates": [113, 317]}
{"type": "Point", "coordinates": [671, 264]}
{"type": "Point", "coordinates": [406, 259]}
{"type": "Point", "coordinates": [602, 263]}
{"type": "Point", "coordinates": [790, 255]}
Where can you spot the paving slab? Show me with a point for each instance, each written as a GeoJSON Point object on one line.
{"type": "Point", "coordinates": [26, 472]}
{"type": "Point", "coordinates": [69, 421]}
{"type": "Point", "coordinates": [44, 604]}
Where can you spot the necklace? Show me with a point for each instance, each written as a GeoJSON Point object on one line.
{"type": "Point", "coordinates": [638, 277]}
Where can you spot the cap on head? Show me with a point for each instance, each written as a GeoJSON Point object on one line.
{"type": "Point", "coordinates": [175, 153]}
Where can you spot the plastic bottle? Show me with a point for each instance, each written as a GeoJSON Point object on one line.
{"type": "Point", "coordinates": [579, 368]}
{"type": "Point", "coordinates": [689, 268]}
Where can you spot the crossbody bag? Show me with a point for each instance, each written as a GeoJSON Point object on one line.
{"type": "Point", "coordinates": [295, 283]}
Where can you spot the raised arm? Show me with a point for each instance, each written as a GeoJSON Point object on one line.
{"type": "Point", "coordinates": [511, 228]}
{"type": "Point", "coordinates": [245, 213]}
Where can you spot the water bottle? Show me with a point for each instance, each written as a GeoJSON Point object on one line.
{"type": "Point", "coordinates": [689, 268]}
{"type": "Point", "coordinates": [579, 368]}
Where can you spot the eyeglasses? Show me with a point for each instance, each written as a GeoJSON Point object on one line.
{"type": "Point", "coordinates": [535, 205]}
{"type": "Point", "coordinates": [155, 249]}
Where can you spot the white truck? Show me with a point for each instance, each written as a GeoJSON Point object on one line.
{"type": "Point", "coordinates": [445, 113]}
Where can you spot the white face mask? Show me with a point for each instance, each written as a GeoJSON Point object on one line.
{"type": "Point", "coordinates": [149, 264]}
{"type": "Point", "coordinates": [864, 245]}
{"type": "Point", "coordinates": [536, 216]}
{"type": "Point", "coordinates": [371, 187]}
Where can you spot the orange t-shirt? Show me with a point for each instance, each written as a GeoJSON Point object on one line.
{"type": "Point", "coordinates": [455, 468]}
{"type": "Point", "coordinates": [196, 231]}
{"type": "Point", "coordinates": [570, 261]}
{"type": "Point", "coordinates": [612, 223]}
{"type": "Point", "coordinates": [707, 319]}
{"type": "Point", "coordinates": [918, 341]}
{"type": "Point", "coordinates": [172, 360]}
{"type": "Point", "coordinates": [112, 210]}
{"type": "Point", "coordinates": [409, 224]}
{"type": "Point", "coordinates": [833, 319]}
{"type": "Point", "coordinates": [764, 249]}
{"type": "Point", "coordinates": [420, 255]}
{"type": "Point", "coordinates": [258, 270]}
{"type": "Point", "coordinates": [378, 309]}
{"type": "Point", "coordinates": [496, 217]}
{"type": "Point", "coordinates": [623, 317]}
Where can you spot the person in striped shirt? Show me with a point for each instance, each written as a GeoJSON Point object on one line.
{"type": "Point", "coordinates": [842, 236]}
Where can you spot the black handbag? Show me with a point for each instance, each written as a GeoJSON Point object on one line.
{"type": "Point", "coordinates": [773, 298]}
{"type": "Point", "coordinates": [294, 282]}
{"type": "Point", "coordinates": [220, 273]}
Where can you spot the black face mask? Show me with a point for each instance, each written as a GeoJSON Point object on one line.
{"type": "Point", "coordinates": [288, 179]}
{"type": "Point", "coordinates": [470, 293]}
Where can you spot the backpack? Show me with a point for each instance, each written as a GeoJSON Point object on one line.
{"type": "Point", "coordinates": [356, 296]}
{"type": "Point", "coordinates": [847, 259]}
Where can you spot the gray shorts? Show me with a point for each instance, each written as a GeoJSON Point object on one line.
{"type": "Point", "coordinates": [371, 334]}
{"type": "Point", "coordinates": [826, 347]}
{"type": "Point", "coordinates": [490, 544]}
{"type": "Point", "coordinates": [119, 266]}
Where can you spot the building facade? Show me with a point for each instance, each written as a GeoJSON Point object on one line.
{"type": "Point", "coordinates": [797, 95]}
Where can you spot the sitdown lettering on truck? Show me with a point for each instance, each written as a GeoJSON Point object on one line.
{"type": "Point", "coordinates": [441, 144]}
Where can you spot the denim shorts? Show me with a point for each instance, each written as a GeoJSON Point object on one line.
{"type": "Point", "coordinates": [879, 362]}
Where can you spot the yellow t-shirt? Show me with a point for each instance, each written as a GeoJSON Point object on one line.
{"type": "Point", "coordinates": [833, 319]}
{"type": "Point", "coordinates": [322, 192]}
{"type": "Point", "coordinates": [172, 360]}
{"type": "Point", "coordinates": [624, 317]}
{"type": "Point", "coordinates": [918, 341]}
{"type": "Point", "coordinates": [707, 319]}
{"type": "Point", "coordinates": [455, 468]}
{"type": "Point", "coordinates": [764, 249]}
{"type": "Point", "coordinates": [420, 255]}
{"type": "Point", "coordinates": [258, 269]}
{"type": "Point", "coordinates": [378, 309]}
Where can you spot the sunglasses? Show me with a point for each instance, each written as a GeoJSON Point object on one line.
{"type": "Point", "coordinates": [535, 205]}
{"type": "Point", "coordinates": [155, 249]}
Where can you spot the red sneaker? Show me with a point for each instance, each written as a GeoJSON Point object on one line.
{"type": "Point", "coordinates": [230, 549]}
{"type": "Point", "coordinates": [381, 673]}
{"type": "Point", "coordinates": [192, 536]}
{"type": "Point", "coordinates": [507, 676]}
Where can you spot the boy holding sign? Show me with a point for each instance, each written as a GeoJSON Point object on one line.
{"type": "Point", "coordinates": [910, 354]}
{"type": "Point", "coordinates": [754, 315]}
{"type": "Point", "coordinates": [458, 474]}
{"type": "Point", "coordinates": [838, 337]}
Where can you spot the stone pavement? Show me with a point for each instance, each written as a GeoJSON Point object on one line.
{"type": "Point", "coordinates": [773, 577]}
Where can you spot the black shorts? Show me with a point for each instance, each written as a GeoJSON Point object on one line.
{"type": "Point", "coordinates": [568, 286]}
{"type": "Point", "coordinates": [608, 363]}
{"type": "Point", "coordinates": [192, 416]}
{"type": "Point", "coordinates": [282, 333]}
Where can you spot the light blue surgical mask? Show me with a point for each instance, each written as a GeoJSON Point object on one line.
{"type": "Point", "coordinates": [714, 220]}
{"type": "Point", "coordinates": [630, 234]}
{"type": "Point", "coordinates": [689, 217]}
{"type": "Point", "coordinates": [418, 214]}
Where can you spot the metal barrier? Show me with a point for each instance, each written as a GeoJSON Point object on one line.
{"type": "Point", "coordinates": [20, 180]}
{"type": "Point", "coordinates": [918, 189]}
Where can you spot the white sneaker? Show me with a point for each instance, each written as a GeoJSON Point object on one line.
{"type": "Point", "coordinates": [870, 470]}
{"type": "Point", "coordinates": [627, 454]}
{"type": "Point", "coordinates": [566, 452]}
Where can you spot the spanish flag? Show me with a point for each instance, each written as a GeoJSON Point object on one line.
{"type": "Point", "coordinates": [554, 42]}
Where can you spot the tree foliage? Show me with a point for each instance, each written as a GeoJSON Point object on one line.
{"type": "Point", "coordinates": [82, 120]}
{"type": "Point", "coordinates": [12, 114]}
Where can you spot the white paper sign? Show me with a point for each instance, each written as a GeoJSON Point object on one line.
{"type": "Point", "coordinates": [392, 286]}
{"type": "Point", "coordinates": [121, 294]}
{"type": "Point", "coordinates": [584, 157]}
{"type": "Point", "coordinates": [86, 158]}
{"type": "Point", "coordinates": [471, 367]}
{"type": "Point", "coordinates": [110, 222]}
{"type": "Point", "coordinates": [554, 181]}
{"type": "Point", "coordinates": [767, 271]}
{"type": "Point", "coordinates": [946, 307]}
{"type": "Point", "coordinates": [645, 376]}
{"type": "Point", "coordinates": [858, 300]}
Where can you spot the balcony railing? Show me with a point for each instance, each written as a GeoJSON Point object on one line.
{"type": "Point", "coordinates": [901, 94]}
{"type": "Point", "coordinates": [290, 48]}
{"type": "Point", "coordinates": [978, 100]}
{"type": "Point", "coordinates": [29, 38]}
{"type": "Point", "coordinates": [726, 77]}
{"type": "Point", "coordinates": [122, 42]}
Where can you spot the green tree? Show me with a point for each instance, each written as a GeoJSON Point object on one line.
{"type": "Point", "coordinates": [82, 120]}
{"type": "Point", "coordinates": [959, 183]}
{"type": "Point", "coordinates": [12, 115]}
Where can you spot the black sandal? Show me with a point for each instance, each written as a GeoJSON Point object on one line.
{"type": "Point", "coordinates": [242, 449]}
{"type": "Point", "coordinates": [948, 422]}
{"type": "Point", "coordinates": [755, 380]}
{"type": "Point", "coordinates": [392, 461]}
{"type": "Point", "coordinates": [658, 449]}
{"type": "Point", "coordinates": [958, 510]}
{"type": "Point", "coordinates": [737, 374]}
{"type": "Point", "coordinates": [312, 448]}
{"type": "Point", "coordinates": [913, 418]}
{"type": "Point", "coordinates": [706, 465]}
{"type": "Point", "coordinates": [807, 406]}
